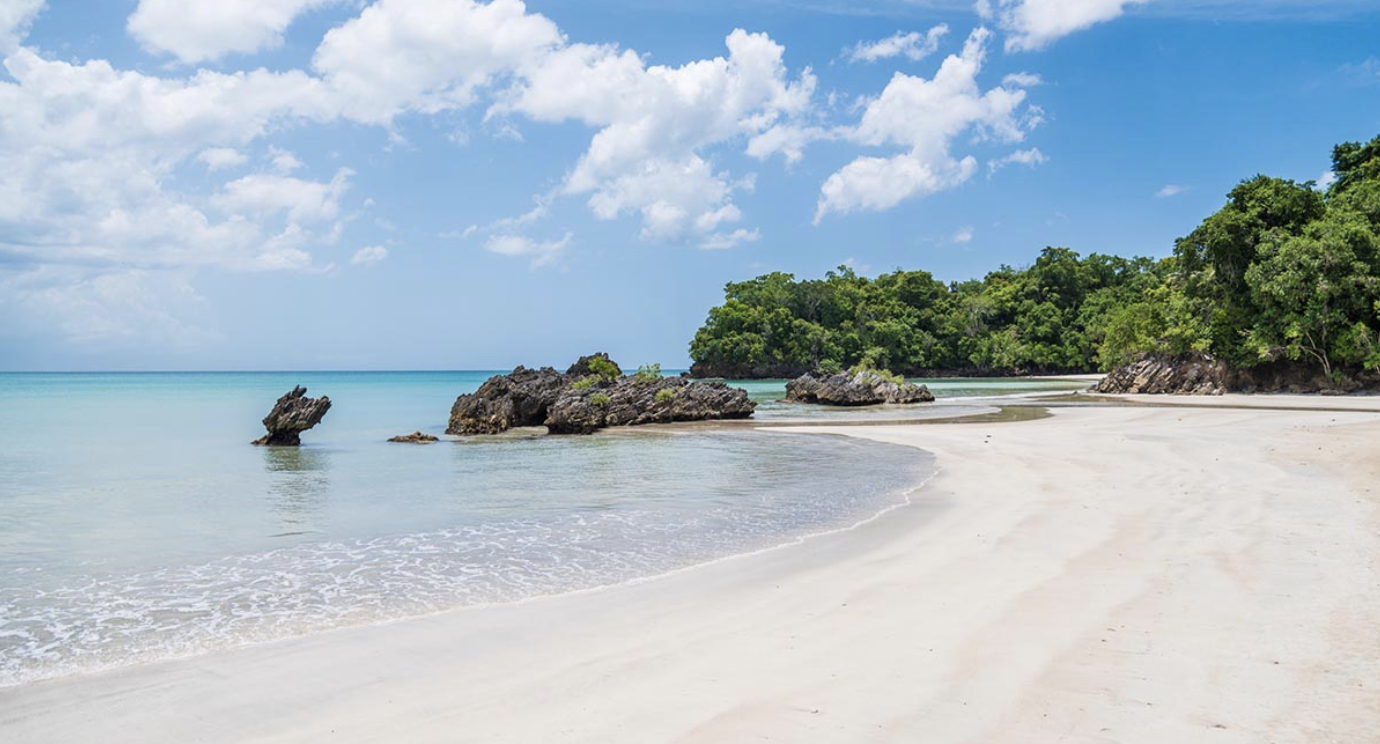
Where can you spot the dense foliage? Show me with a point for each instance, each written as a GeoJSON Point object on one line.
{"type": "Point", "coordinates": [1282, 271]}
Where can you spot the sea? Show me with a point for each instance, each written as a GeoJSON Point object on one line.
{"type": "Point", "coordinates": [138, 524]}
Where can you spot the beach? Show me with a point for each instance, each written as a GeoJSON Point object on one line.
{"type": "Point", "coordinates": [1107, 574]}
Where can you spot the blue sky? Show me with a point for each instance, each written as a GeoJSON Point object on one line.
{"type": "Point", "coordinates": [447, 184]}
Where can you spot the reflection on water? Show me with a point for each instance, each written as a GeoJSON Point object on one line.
{"type": "Point", "coordinates": [298, 480]}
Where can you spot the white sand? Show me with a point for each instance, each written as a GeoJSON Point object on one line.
{"type": "Point", "coordinates": [1154, 575]}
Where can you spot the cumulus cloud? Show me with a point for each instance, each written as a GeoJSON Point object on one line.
{"type": "Point", "coordinates": [541, 253]}
{"type": "Point", "coordinates": [271, 194]}
{"type": "Point", "coordinates": [369, 255]}
{"type": "Point", "coordinates": [427, 55]}
{"type": "Point", "coordinates": [1170, 189]}
{"type": "Point", "coordinates": [963, 235]}
{"type": "Point", "coordinates": [656, 122]}
{"type": "Point", "coordinates": [1031, 25]}
{"type": "Point", "coordinates": [1325, 179]}
{"type": "Point", "coordinates": [914, 46]}
{"type": "Point", "coordinates": [924, 116]}
{"type": "Point", "coordinates": [201, 30]}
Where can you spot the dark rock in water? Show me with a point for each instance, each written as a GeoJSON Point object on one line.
{"type": "Point", "coordinates": [1195, 374]}
{"type": "Point", "coordinates": [630, 402]}
{"type": "Point", "coordinates": [293, 414]}
{"type": "Point", "coordinates": [581, 400]}
{"type": "Point", "coordinates": [415, 437]}
{"type": "Point", "coordinates": [863, 388]}
{"type": "Point", "coordinates": [506, 401]}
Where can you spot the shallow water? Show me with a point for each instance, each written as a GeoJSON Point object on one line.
{"type": "Point", "coordinates": [136, 522]}
{"type": "Point", "coordinates": [139, 524]}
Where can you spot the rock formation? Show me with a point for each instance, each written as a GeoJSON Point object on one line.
{"type": "Point", "coordinates": [293, 414]}
{"type": "Point", "coordinates": [862, 388]}
{"type": "Point", "coordinates": [1190, 375]}
{"type": "Point", "coordinates": [629, 401]}
{"type": "Point", "coordinates": [415, 437]}
{"type": "Point", "coordinates": [581, 400]}
{"type": "Point", "coordinates": [1199, 374]}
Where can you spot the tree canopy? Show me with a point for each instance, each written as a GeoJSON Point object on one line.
{"type": "Point", "coordinates": [1282, 271]}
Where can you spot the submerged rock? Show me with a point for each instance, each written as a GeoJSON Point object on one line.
{"type": "Point", "coordinates": [293, 414]}
{"type": "Point", "coordinates": [415, 437]}
{"type": "Point", "coordinates": [582, 400]}
{"type": "Point", "coordinates": [862, 388]}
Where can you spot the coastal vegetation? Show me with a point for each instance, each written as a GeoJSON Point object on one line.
{"type": "Point", "coordinates": [1284, 273]}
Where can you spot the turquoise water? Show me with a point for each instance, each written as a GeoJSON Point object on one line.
{"type": "Point", "coordinates": [137, 523]}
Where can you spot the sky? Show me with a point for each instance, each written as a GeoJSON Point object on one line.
{"type": "Point", "coordinates": [452, 184]}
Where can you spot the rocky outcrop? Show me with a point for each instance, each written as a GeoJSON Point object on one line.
{"type": "Point", "coordinates": [582, 400]}
{"type": "Point", "coordinates": [629, 401]}
{"type": "Point", "coordinates": [862, 388]}
{"type": "Point", "coordinates": [415, 437]}
{"type": "Point", "coordinates": [293, 414]}
{"type": "Point", "coordinates": [1189, 375]}
{"type": "Point", "coordinates": [1199, 374]}
{"type": "Point", "coordinates": [505, 401]}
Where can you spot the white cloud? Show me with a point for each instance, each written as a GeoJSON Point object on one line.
{"type": "Point", "coordinates": [271, 194]}
{"type": "Point", "coordinates": [1022, 80]}
{"type": "Point", "coordinates": [427, 55]}
{"type": "Point", "coordinates": [924, 117]}
{"type": "Point", "coordinates": [724, 241]}
{"type": "Point", "coordinates": [217, 158]}
{"type": "Point", "coordinates": [1170, 189]}
{"type": "Point", "coordinates": [369, 255]}
{"type": "Point", "coordinates": [963, 235]}
{"type": "Point", "coordinates": [541, 253]}
{"type": "Point", "coordinates": [283, 161]}
{"type": "Point", "coordinates": [1031, 157]}
{"type": "Point", "coordinates": [1031, 25]}
{"type": "Point", "coordinates": [201, 30]}
{"type": "Point", "coordinates": [1325, 179]}
{"type": "Point", "coordinates": [656, 122]}
{"type": "Point", "coordinates": [914, 45]}
{"type": "Point", "coordinates": [15, 17]}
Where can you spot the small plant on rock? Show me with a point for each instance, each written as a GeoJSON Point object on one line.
{"type": "Point", "coordinates": [605, 368]}
{"type": "Point", "coordinates": [649, 373]}
{"type": "Point", "coordinates": [585, 383]}
{"type": "Point", "coordinates": [599, 399]}
{"type": "Point", "coordinates": [664, 395]}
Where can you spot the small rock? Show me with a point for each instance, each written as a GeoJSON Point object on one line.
{"type": "Point", "coordinates": [415, 437]}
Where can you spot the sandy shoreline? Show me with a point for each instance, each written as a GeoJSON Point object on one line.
{"type": "Point", "coordinates": [1109, 574]}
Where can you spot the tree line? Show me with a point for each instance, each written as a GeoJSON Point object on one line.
{"type": "Point", "coordinates": [1283, 271]}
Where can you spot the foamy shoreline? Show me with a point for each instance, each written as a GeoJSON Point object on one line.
{"type": "Point", "coordinates": [1128, 574]}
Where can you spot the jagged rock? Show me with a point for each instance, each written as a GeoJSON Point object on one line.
{"type": "Point", "coordinates": [550, 398]}
{"type": "Point", "coordinates": [415, 437]}
{"type": "Point", "coordinates": [1198, 374]}
{"type": "Point", "coordinates": [1189, 375]}
{"type": "Point", "coordinates": [863, 388]}
{"type": "Point", "coordinates": [293, 414]}
{"type": "Point", "coordinates": [506, 401]}
{"type": "Point", "coordinates": [629, 401]}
